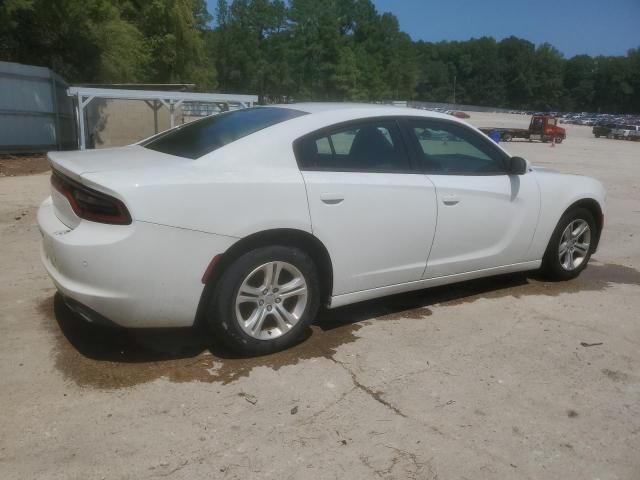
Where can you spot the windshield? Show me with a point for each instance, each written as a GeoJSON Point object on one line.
{"type": "Point", "coordinates": [198, 138]}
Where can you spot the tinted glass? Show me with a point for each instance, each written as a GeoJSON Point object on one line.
{"type": "Point", "coordinates": [198, 138]}
{"type": "Point", "coordinates": [448, 148]}
{"type": "Point", "coordinates": [368, 147]}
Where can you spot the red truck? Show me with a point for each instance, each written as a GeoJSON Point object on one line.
{"type": "Point", "coordinates": [541, 127]}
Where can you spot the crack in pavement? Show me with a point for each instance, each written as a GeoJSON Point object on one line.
{"type": "Point", "coordinates": [374, 394]}
{"type": "Point", "coordinates": [327, 407]}
{"type": "Point", "coordinates": [377, 396]}
{"type": "Point", "coordinates": [419, 467]}
{"type": "Point", "coordinates": [413, 468]}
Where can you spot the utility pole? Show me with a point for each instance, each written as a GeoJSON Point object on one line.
{"type": "Point", "coordinates": [455, 78]}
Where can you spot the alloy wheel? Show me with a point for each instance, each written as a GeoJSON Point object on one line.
{"type": "Point", "coordinates": [271, 300]}
{"type": "Point", "coordinates": [574, 244]}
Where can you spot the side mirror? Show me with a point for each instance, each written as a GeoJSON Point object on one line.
{"type": "Point", "coordinates": [517, 166]}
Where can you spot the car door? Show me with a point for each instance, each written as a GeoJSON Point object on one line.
{"type": "Point", "coordinates": [375, 214]}
{"type": "Point", "coordinates": [486, 217]}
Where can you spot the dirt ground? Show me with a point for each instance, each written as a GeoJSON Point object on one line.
{"type": "Point", "coordinates": [22, 164]}
{"type": "Point", "coordinates": [506, 378]}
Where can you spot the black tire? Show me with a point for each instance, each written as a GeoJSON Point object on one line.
{"type": "Point", "coordinates": [507, 137]}
{"type": "Point", "coordinates": [559, 140]}
{"type": "Point", "coordinates": [597, 135]}
{"type": "Point", "coordinates": [221, 312]}
{"type": "Point", "coordinates": [551, 266]}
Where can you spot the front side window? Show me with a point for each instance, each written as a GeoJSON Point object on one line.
{"type": "Point", "coordinates": [198, 138]}
{"type": "Point", "coordinates": [447, 148]}
{"type": "Point", "coordinates": [374, 146]}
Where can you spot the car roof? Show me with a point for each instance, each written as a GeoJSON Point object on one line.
{"type": "Point", "coordinates": [364, 109]}
{"type": "Point", "coordinates": [327, 114]}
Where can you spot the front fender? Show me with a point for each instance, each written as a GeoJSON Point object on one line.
{"type": "Point", "coordinates": [558, 192]}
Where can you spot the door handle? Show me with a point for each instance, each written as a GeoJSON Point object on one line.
{"type": "Point", "coordinates": [450, 200]}
{"type": "Point", "coordinates": [332, 198]}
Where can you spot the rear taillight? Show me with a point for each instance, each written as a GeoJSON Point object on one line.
{"type": "Point", "coordinates": [90, 204]}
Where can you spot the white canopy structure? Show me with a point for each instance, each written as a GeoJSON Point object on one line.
{"type": "Point", "coordinates": [154, 98]}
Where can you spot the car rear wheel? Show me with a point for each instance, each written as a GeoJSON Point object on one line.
{"type": "Point", "coordinates": [265, 300]}
{"type": "Point", "coordinates": [506, 137]}
{"type": "Point", "coordinates": [571, 245]}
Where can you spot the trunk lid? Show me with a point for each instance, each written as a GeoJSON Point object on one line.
{"type": "Point", "coordinates": [76, 164]}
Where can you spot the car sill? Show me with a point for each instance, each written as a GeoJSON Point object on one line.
{"type": "Point", "coordinates": [348, 298]}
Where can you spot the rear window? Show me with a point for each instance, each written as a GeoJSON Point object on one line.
{"type": "Point", "coordinates": [198, 138]}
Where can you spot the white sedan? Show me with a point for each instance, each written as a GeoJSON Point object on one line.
{"type": "Point", "coordinates": [253, 219]}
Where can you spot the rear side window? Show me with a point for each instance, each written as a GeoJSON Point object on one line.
{"type": "Point", "coordinates": [198, 138]}
{"type": "Point", "coordinates": [373, 146]}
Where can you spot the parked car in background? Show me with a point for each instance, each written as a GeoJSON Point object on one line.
{"type": "Point", "coordinates": [601, 129]}
{"type": "Point", "coordinates": [460, 114]}
{"type": "Point", "coordinates": [253, 219]}
{"type": "Point", "coordinates": [626, 132]}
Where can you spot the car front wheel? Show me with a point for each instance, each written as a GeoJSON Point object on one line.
{"type": "Point", "coordinates": [265, 300]}
{"type": "Point", "coordinates": [571, 245]}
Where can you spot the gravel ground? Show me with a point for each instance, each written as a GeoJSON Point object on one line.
{"type": "Point", "coordinates": [501, 378]}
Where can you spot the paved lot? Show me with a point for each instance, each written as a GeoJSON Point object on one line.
{"type": "Point", "coordinates": [487, 380]}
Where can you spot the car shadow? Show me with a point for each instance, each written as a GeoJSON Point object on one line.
{"type": "Point", "coordinates": [104, 343]}
{"type": "Point", "coordinates": [112, 343]}
{"type": "Point", "coordinates": [396, 306]}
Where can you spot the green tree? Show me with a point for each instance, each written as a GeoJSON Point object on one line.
{"type": "Point", "coordinates": [579, 83]}
{"type": "Point", "coordinates": [174, 32]}
{"type": "Point", "coordinates": [249, 46]}
{"type": "Point", "coordinates": [633, 59]}
{"type": "Point", "coordinates": [517, 70]}
{"type": "Point", "coordinates": [83, 41]}
{"type": "Point", "coordinates": [548, 70]}
{"type": "Point", "coordinates": [304, 50]}
{"type": "Point", "coordinates": [614, 89]}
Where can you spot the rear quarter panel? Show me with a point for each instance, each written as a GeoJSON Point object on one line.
{"type": "Point", "coordinates": [238, 190]}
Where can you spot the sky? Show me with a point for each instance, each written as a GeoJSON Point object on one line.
{"type": "Point", "coordinates": [594, 27]}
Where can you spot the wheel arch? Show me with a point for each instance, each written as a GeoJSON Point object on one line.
{"type": "Point", "coordinates": [305, 241]}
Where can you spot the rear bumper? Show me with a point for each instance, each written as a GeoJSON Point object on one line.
{"type": "Point", "coordinates": [139, 275]}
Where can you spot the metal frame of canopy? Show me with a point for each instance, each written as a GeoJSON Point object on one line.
{"type": "Point", "coordinates": [155, 99]}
